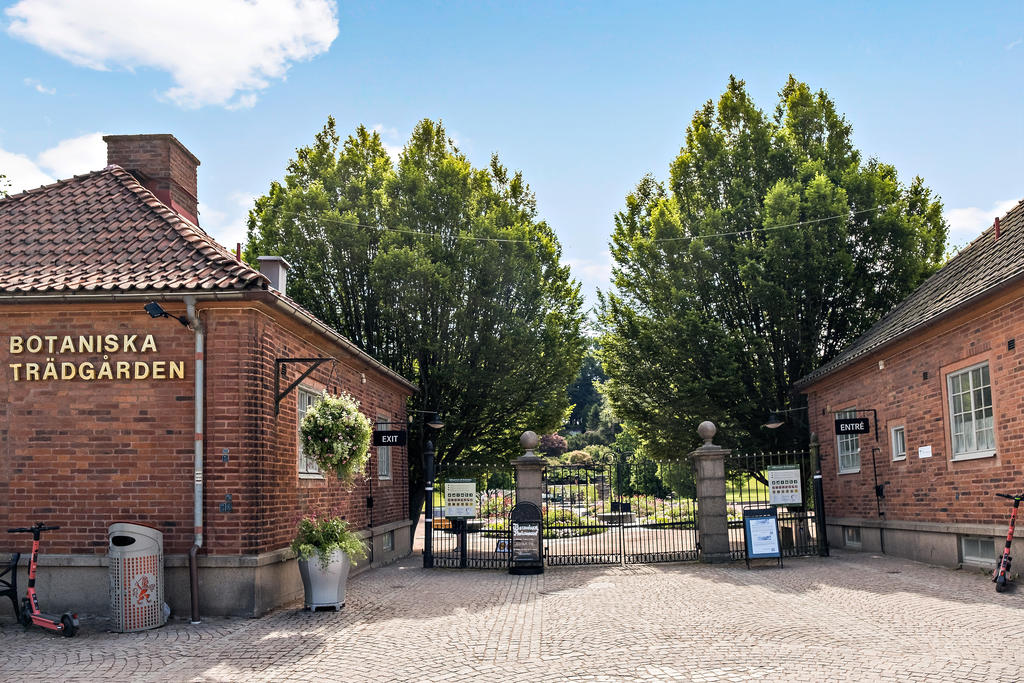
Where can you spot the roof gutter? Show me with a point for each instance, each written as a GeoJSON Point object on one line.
{"type": "Point", "coordinates": [296, 311]}
{"type": "Point", "coordinates": [270, 298]}
{"type": "Point", "coordinates": [814, 378]}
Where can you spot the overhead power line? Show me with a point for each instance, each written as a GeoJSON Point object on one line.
{"type": "Point", "coordinates": [774, 227]}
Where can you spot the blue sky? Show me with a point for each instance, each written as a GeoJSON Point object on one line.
{"type": "Point", "coordinates": [584, 98]}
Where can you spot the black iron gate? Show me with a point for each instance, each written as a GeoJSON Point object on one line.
{"type": "Point", "coordinates": [801, 529]}
{"type": "Point", "coordinates": [480, 541]}
{"type": "Point", "coordinates": [629, 510]}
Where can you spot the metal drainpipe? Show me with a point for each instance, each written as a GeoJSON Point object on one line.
{"type": "Point", "coordinates": [197, 468]}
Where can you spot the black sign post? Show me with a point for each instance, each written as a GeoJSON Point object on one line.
{"type": "Point", "coordinates": [389, 437]}
{"type": "Point", "coordinates": [527, 554]}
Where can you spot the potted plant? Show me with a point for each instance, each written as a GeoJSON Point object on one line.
{"type": "Point", "coordinates": [337, 436]}
{"type": "Point", "coordinates": [326, 548]}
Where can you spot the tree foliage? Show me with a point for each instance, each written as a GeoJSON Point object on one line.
{"type": "Point", "coordinates": [772, 245]}
{"type": "Point", "coordinates": [583, 394]}
{"type": "Point", "coordinates": [440, 270]}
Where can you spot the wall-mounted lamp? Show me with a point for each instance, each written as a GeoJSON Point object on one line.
{"type": "Point", "coordinates": [433, 419]}
{"type": "Point", "coordinates": [156, 311]}
{"type": "Point", "coordinates": [775, 419]}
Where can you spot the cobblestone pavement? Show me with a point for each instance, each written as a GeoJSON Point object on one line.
{"type": "Point", "coordinates": [849, 617]}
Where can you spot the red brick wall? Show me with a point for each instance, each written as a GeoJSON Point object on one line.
{"type": "Point", "coordinates": [935, 489]}
{"type": "Point", "coordinates": [83, 454]}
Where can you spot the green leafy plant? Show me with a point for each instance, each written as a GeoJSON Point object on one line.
{"type": "Point", "coordinates": [564, 523]}
{"type": "Point", "coordinates": [337, 436]}
{"type": "Point", "coordinates": [322, 535]}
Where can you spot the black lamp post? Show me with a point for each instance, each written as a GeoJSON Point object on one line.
{"type": "Point", "coordinates": [430, 422]}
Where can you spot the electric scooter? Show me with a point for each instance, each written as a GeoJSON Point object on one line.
{"type": "Point", "coordinates": [1001, 571]}
{"type": "Point", "coordinates": [66, 623]}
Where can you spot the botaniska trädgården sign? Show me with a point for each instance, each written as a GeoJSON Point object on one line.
{"type": "Point", "coordinates": [43, 358]}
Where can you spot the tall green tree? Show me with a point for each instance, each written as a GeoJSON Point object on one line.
{"type": "Point", "coordinates": [583, 392]}
{"type": "Point", "coordinates": [442, 271]}
{"type": "Point", "coordinates": [772, 245]}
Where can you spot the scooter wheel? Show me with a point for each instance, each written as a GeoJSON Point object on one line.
{"type": "Point", "coordinates": [69, 629]}
{"type": "Point", "coordinates": [26, 613]}
{"type": "Point", "coordinates": [1000, 583]}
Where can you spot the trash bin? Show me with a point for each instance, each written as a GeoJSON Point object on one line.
{"type": "Point", "coordinates": [136, 555]}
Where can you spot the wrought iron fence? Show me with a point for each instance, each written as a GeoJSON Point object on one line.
{"type": "Point", "coordinates": [482, 540]}
{"type": "Point", "coordinates": [747, 475]}
{"type": "Point", "coordinates": [629, 510]}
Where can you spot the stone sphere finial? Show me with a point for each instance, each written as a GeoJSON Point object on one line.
{"type": "Point", "coordinates": [706, 430]}
{"type": "Point", "coordinates": [529, 440]}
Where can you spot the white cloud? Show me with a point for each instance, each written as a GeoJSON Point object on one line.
{"type": "Point", "coordinates": [228, 226]}
{"type": "Point", "coordinates": [390, 139]}
{"type": "Point", "coordinates": [597, 272]}
{"type": "Point", "coordinates": [22, 173]}
{"type": "Point", "coordinates": [221, 53]}
{"type": "Point", "coordinates": [967, 223]}
{"type": "Point", "coordinates": [75, 155]}
{"type": "Point", "coordinates": [39, 87]}
{"type": "Point", "coordinates": [67, 158]}
{"type": "Point", "coordinates": [1014, 44]}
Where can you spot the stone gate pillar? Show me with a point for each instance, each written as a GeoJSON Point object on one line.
{"type": "Point", "coordinates": [712, 515]}
{"type": "Point", "coordinates": [529, 468]}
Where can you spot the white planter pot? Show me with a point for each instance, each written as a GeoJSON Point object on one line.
{"type": "Point", "coordinates": [325, 587]}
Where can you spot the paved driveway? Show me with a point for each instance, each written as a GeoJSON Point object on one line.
{"type": "Point", "coordinates": [848, 617]}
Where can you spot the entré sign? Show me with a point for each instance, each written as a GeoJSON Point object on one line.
{"type": "Point", "coordinates": [46, 357]}
{"type": "Point", "coordinates": [853, 425]}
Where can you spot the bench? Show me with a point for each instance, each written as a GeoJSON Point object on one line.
{"type": "Point", "coordinates": [9, 583]}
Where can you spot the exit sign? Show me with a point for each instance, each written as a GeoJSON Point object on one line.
{"type": "Point", "coordinates": [389, 437]}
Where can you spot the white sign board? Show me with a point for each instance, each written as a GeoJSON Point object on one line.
{"type": "Point", "coordinates": [460, 498]}
{"type": "Point", "coordinates": [924, 452]}
{"type": "Point", "coordinates": [784, 485]}
{"type": "Point", "coordinates": [764, 536]}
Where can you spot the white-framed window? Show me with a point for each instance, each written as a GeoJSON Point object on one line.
{"type": "Point", "coordinates": [899, 443]}
{"type": "Point", "coordinates": [851, 536]}
{"type": "Point", "coordinates": [307, 466]}
{"type": "Point", "coordinates": [978, 551]}
{"type": "Point", "coordinates": [383, 452]}
{"type": "Point", "coordinates": [970, 413]}
{"type": "Point", "coordinates": [848, 446]}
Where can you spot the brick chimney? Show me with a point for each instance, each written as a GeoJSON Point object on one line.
{"type": "Point", "coordinates": [162, 165]}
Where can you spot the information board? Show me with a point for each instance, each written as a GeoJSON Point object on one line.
{"type": "Point", "coordinates": [784, 485]}
{"type": "Point", "coordinates": [527, 525]}
{"type": "Point", "coordinates": [460, 498]}
{"type": "Point", "coordinates": [761, 534]}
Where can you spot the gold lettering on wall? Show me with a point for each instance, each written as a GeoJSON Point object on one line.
{"type": "Point", "coordinates": [59, 363]}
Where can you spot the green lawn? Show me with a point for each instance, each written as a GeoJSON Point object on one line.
{"type": "Point", "coordinates": [748, 491]}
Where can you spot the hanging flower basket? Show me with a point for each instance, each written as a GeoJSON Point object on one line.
{"type": "Point", "coordinates": [337, 436]}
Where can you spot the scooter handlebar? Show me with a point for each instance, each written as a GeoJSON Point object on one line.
{"type": "Point", "coordinates": [28, 530]}
{"type": "Point", "coordinates": [1007, 495]}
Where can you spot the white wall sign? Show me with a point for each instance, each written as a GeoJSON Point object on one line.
{"type": "Point", "coordinates": [924, 452]}
{"type": "Point", "coordinates": [460, 498]}
{"type": "Point", "coordinates": [784, 485]}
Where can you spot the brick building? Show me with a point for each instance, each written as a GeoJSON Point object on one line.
{"type": "Point", "coordinates": [944, 377]}
{"type": "Point", "coordinates": [104, 409]}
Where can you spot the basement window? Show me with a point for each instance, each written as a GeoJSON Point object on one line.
{"type": "Point", "coordinates": [851, 536]}
{"type": "Point", "coordinates": [978, 551]}
{"type": "Point", "coordinates": [388, 542]}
